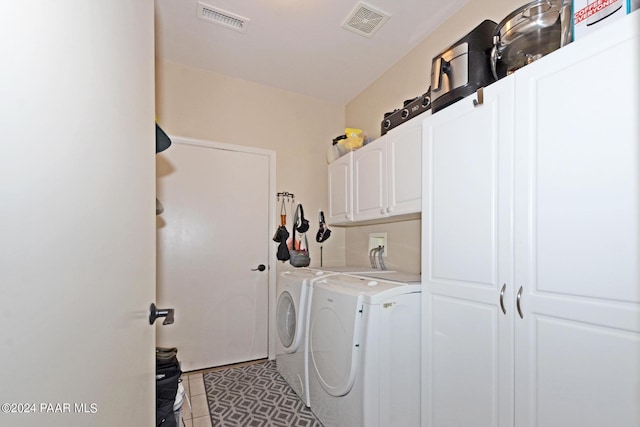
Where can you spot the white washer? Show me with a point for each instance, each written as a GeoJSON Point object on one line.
{"type": "Point", "coordinates": [293, 291]}
{"type": "Point", "coordinates": [364, 352]}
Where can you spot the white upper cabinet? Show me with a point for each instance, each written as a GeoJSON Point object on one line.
{"type": "Point", "coordinates": [386, 177]}
{"type": "Point", "coordinates": [340, 173]}
{"type": "Point", "coordinates": [370, 181]}
{"type": "Point", "coordinates": [404, 168]}
{"type": "Point", "coordinates": [531, 244]}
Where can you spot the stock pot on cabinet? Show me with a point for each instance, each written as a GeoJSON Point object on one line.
{"type": "Point", "coordinates": [529, 33]}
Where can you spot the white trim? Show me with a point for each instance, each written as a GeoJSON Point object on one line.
{"type": "Point", "coordinates": [272, 262]}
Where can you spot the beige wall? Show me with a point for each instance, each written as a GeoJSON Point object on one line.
{"type": "Point", "coordinates": [200, 104]}
{"type": "Point", "coordinates": [408, 78]}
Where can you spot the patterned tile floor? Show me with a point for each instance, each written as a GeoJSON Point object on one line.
{"type": "Point", "coordinates": [195, 410]}
{"type": "Point", "coordinates": [254, 395]}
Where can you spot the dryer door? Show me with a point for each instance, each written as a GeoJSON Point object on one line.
{"type": "Point", "coordinates": [335, 339]}
{"type": "Point", "coordinates": [286, 322]}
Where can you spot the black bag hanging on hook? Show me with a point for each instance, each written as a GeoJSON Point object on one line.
{"type": "Point", "coordinates": [282, 235]}
{"type": "Point", "coordinates": [304, 224]}
{"type": "Point", "coordinates": [299, 257]}
{"type": "Point", "coordinates": [323, 232]}
{"type": "Point", "coordinates": [283, 250]}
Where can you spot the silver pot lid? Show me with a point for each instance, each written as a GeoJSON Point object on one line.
{"type": "Point", "coordinates": [530, 18]}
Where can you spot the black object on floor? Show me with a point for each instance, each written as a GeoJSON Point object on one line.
{"type": "Point", "coordinates": [167, 377]}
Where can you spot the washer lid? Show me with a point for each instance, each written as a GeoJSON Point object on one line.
{"type": "Point", "coordinates": [393, 276]}
{"type": "Point", "coordinates": [334, 339]}
{"type": "Point", "coordinates": [304, 274]}
{"type": "Point", "coordinates": [373, 290]}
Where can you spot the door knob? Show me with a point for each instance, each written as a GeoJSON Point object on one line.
{"type": "Point", "coordinates": [261, 267]}
{"type": "Point", "coordinates": [155, 312]}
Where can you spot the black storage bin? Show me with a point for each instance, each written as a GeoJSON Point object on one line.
{"type": "Point", "coordinates": [168, 374]}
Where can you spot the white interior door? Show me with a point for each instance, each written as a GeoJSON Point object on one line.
{"type": "Point", "coordinates": [77, 243]}
{"type": "Point", "coordinates": [214, 230]}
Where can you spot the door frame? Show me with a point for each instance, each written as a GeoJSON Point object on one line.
{"type": "Point", "coordinates": [272, 262]}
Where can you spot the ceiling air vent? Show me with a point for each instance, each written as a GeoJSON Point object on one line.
{"type": "Point", "coordinates": [222, 17]}
{"type": "Point", "coordinates": [365, 20]}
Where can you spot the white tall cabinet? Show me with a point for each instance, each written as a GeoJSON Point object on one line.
{"type": "Point", "coordinates": [577, 211]}
{"type": "Point", "coordinates": [531, 244]}
{"type": "Point", "coordinates": [467, 254]}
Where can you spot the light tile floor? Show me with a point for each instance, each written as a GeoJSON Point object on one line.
{"type": "Point", "coordinates": [196, 415]}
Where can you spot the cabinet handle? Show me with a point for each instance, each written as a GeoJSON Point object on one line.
{"type": "Point", "coordinates": [518, 302]}
{"type": "Point", "coordinates": [504, 311]}
{"type": "Point", "coordinates": [480, 97]}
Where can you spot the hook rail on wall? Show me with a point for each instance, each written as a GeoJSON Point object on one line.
{"type": "Point", "coordinates": [285, 196]}
{"type": "Point", "coordinates": [289, 197]}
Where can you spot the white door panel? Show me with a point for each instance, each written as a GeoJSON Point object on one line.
{"type": "Point", "coordinates": [465, 362]}
{"type": "Point", "coordinates": [464, 174]}
{"type": "Point", "coordinates": [77, 235]}
{"type": "Point", "coordinates": [340, 173]}
{"type": "Point", "coordinates": [369, 181]}
{"type": "Point", "coordinates": [213, 232]}
{"type": "Point", "coordinates": [404, 167]}
{"type": "Point", "coordinates": [563, 351]}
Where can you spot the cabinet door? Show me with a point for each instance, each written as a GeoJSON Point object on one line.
{"type": "Point", "coordinates": [340, 173]}
{"type": "Point", "coordinates": [370, 181]}
{"type": "Point", "coordinates": [578, 233]}
{"type": "Point", "coordinates": [404, 163]}
{"type": "Point", "coordinates": [467, 261]}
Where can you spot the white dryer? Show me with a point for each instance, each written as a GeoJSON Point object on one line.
{"type": "Point", "coordinates": [293, 291]}
{"type": "Point", "coordinates": [364, 352]}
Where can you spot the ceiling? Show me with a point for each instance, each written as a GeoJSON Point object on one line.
{"type": "Point", "coordinates": [297, 45]}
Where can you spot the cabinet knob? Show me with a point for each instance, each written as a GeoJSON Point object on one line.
{"type": "Point", "coordinates": [382, 211]}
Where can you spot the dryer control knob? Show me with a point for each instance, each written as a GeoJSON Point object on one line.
{"type": "Point", "coordinates": [372, 283]}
